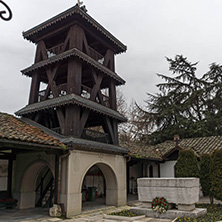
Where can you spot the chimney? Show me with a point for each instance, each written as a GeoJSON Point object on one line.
{"type": "Point", "coordinates": [176, 137]}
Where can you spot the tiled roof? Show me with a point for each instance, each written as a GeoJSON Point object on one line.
{"type": "Point", "coordinates": [141, 151]}
{"type": "Point", "coordinates": [71, 15]}
{"type": "Point", "coordinates": [81, 144]}
{"type": "Point", "coordinates": [165, 147]}
{"type": "Point", "coordinates": [80, 55]}
{"type": "Point", "coordinates": [13, 129]}
{"type": "Point", "coordinates": [200, 145]}
{"type": "Point", "coordinates": [71, 99]}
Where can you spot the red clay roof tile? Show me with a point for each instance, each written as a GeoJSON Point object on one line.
{"type": "Point", "coordinates": [13, 128]}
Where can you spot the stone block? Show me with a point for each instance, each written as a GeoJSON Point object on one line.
{"type": "Point", "coordinates": [184, 207]}
{"type": "Point", "coordinates": [170, 214]}
{"type": "Point", "coordinates": [55, 211]}
{"type": "Point", "coordinates": [175, 190]}
{"type": "Point", "coordinates": [146, 205]}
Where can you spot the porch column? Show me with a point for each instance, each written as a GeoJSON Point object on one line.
{"type": "Point", "coordinates": [9, 184]}
{"type": "Point", "coordinates": [56, 178]}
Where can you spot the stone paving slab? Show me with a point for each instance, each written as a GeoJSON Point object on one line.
{"type": "Point", "coordinates": [89, 216]}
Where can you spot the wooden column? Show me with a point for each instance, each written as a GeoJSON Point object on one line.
{"type": "Point", "coordinates": [109, 61]}
{"type": "Point", "coordinates": [144, 169]}
{"type": "Point", "coordinates": [112, 95]}
{"type": "Point", "coordinates": [34, 91]}
{"type": "Point", "coordinates": [74, 78]}
{"type": "Point", "coordinates": [112, 101]}
{"type": "Point", "coordinates": [158, 170]}
{"type": "Point", "coordinates": [76, 37]}
{"type": "Point", "coordinates": [74, 82]}
{"type": "Point", "coordinates": [115, 131]}
{"type": "Point", "coordinates": [56, 178]}
{"type": "Point", "coordinates": [9, 184]}
{"type": "Point", "coordinates": [128, 177]}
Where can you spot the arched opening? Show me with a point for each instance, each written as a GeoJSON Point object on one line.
{"type": "Point", "coordinates": [99, 187]}
{"type": "Point", "coordinates": [37, 186]}
{"type": "Point", "coordinates": [93, 188]}
{"type": "Point", "coordinates": [44, 188]}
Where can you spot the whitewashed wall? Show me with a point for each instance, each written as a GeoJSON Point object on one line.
{"type": "Point", "coordinates": [167, 169]}
{"type": "Point", "coordinates": [3, 183]}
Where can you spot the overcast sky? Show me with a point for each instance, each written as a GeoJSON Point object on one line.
{"type": "Point", "coordinates": [151, 29]}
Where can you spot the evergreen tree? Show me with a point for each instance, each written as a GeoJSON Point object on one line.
{"type": "Point", "coordinates": [205, 179]}
{"type": "Point", "coordinates": [216, 174]}
{"type": "Point", "coordinates": [187, 164]}
{"type": "Point", "coordinates": [213, 99]}
{"type": "Point", "coordinates": [185, 104]}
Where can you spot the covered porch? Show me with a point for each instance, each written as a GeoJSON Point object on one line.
{"type": "Point", "coordinates": [29, 165]}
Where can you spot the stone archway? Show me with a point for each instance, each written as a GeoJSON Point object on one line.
{"type": "Point", "coordinates": [111, 184]}
{"type": "Point", "coordinates": [108, 187]}
{"type": "Point", "coordinates": [28, 184]}
{"type": "Point", "coordinates": [113, 167]}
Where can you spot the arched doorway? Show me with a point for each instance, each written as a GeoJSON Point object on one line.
{"type": "Point", "coordinates": [44, 188]}
{"type": "Point", "coordinates": [99, 187]}
{"type": "Point", "coordinates": [37, 182]}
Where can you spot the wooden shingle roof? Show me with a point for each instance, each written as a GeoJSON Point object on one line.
{"type": "Point", "coordinates": [73, 53]}
{"type": "Point", "coordinates": [71, 16]}
{"type": "Point", "coordinates": [89, 145]}
{"type": "Point", "coordinates": [71, 99]}
{"type": "Point", "coordinates": [13, 129]}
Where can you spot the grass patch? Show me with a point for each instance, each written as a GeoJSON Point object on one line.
{"type": "Point", "coordinates": [125, 213]}
{"type": "Point", "coordinates": [214, 213]}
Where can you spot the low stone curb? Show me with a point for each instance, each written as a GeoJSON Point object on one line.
{"type": "Point", "coordinates": [170, 214]}
{"type": "Point", "coordinates": [122, 218]}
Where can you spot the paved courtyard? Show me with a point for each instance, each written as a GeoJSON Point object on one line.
{"type": "Point", "coordinates": [41, 215]}
{"type": "Point", "coordinates": [95, 215]}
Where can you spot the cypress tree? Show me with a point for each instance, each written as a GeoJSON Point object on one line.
{"type": "Point", "coordinates": [187, 164]}
{"type": "Point", "coordinates": [205, 179]}
{"type": "Point", "coordinates": [216, 174]}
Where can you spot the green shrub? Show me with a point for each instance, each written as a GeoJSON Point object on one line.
{"type": "Point", "coordinates": [216, 174]}
{"type": "Point", "coordinates": [125, 213]}
{"type": "Point", "coordinates": [214, 213]}
{"type": "Point", "coordinates": [205, 179]}
{"type": "Point", "coordinates": [187, 164]}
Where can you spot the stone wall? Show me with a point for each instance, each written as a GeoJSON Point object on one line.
{"type": "Point", "coordinates": [183, 192]}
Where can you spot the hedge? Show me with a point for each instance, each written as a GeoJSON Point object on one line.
{"type": "Point", "coordinates": [205, 179]}
{"type": "Point", "coordinates": [187, 164]}
{"type": "Point", "coordinates": [216, 174]}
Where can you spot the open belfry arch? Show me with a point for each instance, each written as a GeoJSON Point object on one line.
{"type": "Point", "coordinates": [73, 96]}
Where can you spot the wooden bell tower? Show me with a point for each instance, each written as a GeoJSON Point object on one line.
{"type": "Point", "coordinates": [73, 89]}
